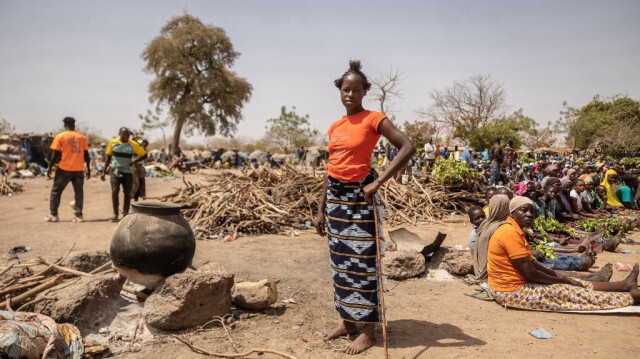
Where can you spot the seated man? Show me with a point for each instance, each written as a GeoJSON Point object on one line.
{"type": "Point", "coordinates": [476, 216]}
{"type": "Point", "coordinates": [517, 281]}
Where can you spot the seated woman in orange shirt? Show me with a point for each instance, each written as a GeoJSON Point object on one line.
{"type": "Point", "coordinates": [517, 281]}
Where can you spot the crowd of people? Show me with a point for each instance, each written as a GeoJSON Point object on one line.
{"type": "Point", "coordinates": [529, 243]}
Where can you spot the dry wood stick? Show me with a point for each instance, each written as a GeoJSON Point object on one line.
{"type": "Point", "coordinates": [42, 287]}
{"type": "Point", "coordinates": [135, 292]}
{"type": "Point", "coordinates": [59, 261]}
{"type": "Point", "coordinates": [16, 288]}
{"type": "Point", "coordinates": [7, 269]}
{"type": "Point", "coordinates": [101, 268]}
{"type": "Point", "coordinates": [238, 355]}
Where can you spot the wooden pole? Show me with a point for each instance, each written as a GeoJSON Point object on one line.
{"type": "Point", "coordinates": [380, 279]}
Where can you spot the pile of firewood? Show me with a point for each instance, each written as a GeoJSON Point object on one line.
{"type": "Point", "coordinates": [18, 291]}
{"type": "Point", "coordinates": [8, 188]}
{"type": "Point", "coordinates": [271, 201]}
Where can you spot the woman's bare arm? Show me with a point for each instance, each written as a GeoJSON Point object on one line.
{"type": "Point", "coordinates": [405, 151]}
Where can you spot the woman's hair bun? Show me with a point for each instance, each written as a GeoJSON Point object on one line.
{"type": "Point", "coordinates": [354, 65]}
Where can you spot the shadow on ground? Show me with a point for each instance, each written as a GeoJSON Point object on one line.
{"type": "Point", "coordinates": [409, 333]}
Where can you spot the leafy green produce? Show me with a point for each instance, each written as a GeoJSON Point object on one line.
{"type": "Point", "coordinates": [548, 252]}
{"type": "Point", "coordinates": [631, 161]}
{"type": "Point", "coordinates": [611, 225]}
{"type": "Point", "coordinates": [549, 225]}
{"type": "Point", "coordinates": [450, 172]}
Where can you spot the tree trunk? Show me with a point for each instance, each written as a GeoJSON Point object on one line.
{"type": "Point", "coordinates": [176, 135]}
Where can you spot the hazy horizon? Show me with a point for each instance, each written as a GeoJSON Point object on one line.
{"type": "Point", "coordinates": [82, 59]}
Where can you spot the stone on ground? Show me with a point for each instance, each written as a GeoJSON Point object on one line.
{"type": "Point", "coordinates": [85, 302]}
{"type": "Point", "coordinates": [256, 295]}
{"type": "Point", "coordinates": [457, 262]}
{"type": "Point", "coordinates": [403, 264]}
{"type": "Point", "coordinates": [186, 300]}
{"type": "Point", "coordinates": [213, 267]}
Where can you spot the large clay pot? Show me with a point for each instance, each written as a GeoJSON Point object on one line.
{"type": "Point", "coordinates": [152, 243]}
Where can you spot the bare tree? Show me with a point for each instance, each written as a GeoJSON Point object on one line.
{"type": "Point", "coordinates": [151, 121]}
{"type": "Point", "coordinates": [467, 105]}
{"type": "Point", "coordinates": [385, 88]}
{"type": "Point", "coordinates": [6, 127]}
{"type": "Point", "coordinates": [537, 138]}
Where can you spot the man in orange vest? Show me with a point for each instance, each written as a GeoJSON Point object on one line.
{"type": "Point", "coordinates": [71, 153]}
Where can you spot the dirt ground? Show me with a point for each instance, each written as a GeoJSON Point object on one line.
{"type": "Point", "coordinates": [426, 319]}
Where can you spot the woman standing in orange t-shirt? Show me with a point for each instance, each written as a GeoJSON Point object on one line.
{"type": "Point", "coordinates": [349, 192]}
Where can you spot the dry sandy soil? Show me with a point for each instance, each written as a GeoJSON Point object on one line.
{"type": "Point", "coordinates": [427, 319]}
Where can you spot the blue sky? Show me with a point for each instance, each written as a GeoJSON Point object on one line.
{"type": "Point", "coordinates": [82, 58]}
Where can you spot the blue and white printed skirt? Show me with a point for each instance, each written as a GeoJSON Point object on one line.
{"type": "Point", "coordinates": [352, 247]}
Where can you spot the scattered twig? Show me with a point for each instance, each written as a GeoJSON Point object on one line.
{"type": "Point", "coordinates": [7, 269]}
{"type": "Point", "coordinates": [101, 268]}
{"type": "Point", "coordinates": [135, 292]}
{"type": "Point", "coordinates": [237, 355]}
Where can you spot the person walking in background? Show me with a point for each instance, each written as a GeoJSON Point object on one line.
{"type": "Point", "coordinates": [71, 153]}
{"type": "Point", "coordinates": [497, 158]}
{"type": "Point", "coordinates": [429, 154]}
{"type": "Point", "coordinates": [120, 162]}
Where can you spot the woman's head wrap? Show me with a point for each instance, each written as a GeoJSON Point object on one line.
{"type": "Point", "coordinates": [519, 201]}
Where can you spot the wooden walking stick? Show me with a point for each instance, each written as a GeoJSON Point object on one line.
{"type": "Point", "coordinates": [380, 279]}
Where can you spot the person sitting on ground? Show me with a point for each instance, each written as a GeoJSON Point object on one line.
{"type": "Point", "coordinates": [490, 192]}
{"type": "Point", "coordinates": [498, 212]}
{"type": "Point", "coordinates": [539, 201]}
{"type": "Point", "coordinates": [609, 182]}
{"type": "Point", "coordinates": [627, 193]}
{"type": "Point", "coordinates": [517, 281]}
{"type": "Point", "coordinates": [504, 191]}
{"type": "Point", "coordinates": [564, 211]}
{"type": "Point", "coordinates": [600, 198]}
{"type": "Point", "coordinates": [476, 216]}
{"type": "Point", "coordinates": [577, 204]}
{"type": "Point", "coordinates": [562, 261]}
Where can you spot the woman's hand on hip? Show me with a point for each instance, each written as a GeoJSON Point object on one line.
{"type": "Point", "coordinates": [370, 191]}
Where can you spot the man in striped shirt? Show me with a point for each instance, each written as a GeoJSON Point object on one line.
{"type": "Point", "coordinates": [120, 162]}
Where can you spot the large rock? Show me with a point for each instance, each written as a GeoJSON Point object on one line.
{"type": "Point", "coordinates": [86, 261]}
{"type": "Point", "coordinates": [213, 267]}
{"type": "Point", "coordinates": [84, 303]}
{"type": "Point", "coordinates": [457, 262]}
{"type": "Point", "coordinates": [403, 264]}
{"type": "Point", "coordinates": [256, 295]}
{"type": "Point", "coordinates": [186, 300]}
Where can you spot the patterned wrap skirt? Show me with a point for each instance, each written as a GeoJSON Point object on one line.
{"type": "Point", "coordinates": [559, 297]}
{"type": "Point", "coordinates": [352, 249]}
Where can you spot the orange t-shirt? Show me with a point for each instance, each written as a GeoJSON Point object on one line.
{"type": "Point", "coordinates": [351, 143]}
{"type": "Point", "coordinates": [72, 145]}
{"type": "Point", "coordinates": [506, 244]}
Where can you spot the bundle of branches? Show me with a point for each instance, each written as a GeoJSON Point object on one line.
{"type": "Point", "coordinates": [19, 292]}
{"type": "Point", "coordinates": [269, 201]}
{"type": "Point", "coordinates": [8, 188]}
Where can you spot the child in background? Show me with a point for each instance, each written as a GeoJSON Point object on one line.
{"type": "Point", "coordinates": [476, 216]}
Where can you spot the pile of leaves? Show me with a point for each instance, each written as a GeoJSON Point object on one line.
{"type": "Point", "coordinates": [452, 172]}
{"type": "Point", "coordinates": [551, 225]}
{"type": "Point", "coordinates": [276, 201]}
{"type": "Point", "coordinates": [611, 225]}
